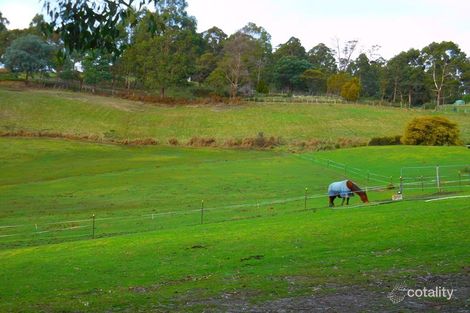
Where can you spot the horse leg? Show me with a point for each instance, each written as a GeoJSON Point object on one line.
{"type": "Point", "coordinates": [342, 201]}
{"type": "Point", "coordinates": [331, 203]}
{"type": "Point", "coordinates": [347, 201]}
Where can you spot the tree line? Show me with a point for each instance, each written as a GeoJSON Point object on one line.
{"type": "Point", "coordinates": [127, 45]}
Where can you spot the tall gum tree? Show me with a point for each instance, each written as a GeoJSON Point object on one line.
{"type": "Point", "coordinates": [443, 62]}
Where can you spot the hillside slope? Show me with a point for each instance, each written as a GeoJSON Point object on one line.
{"type": "Point", "coordinates": [113, 118]}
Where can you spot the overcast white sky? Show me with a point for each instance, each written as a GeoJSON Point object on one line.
{"type": "Point", "coordinates": [395, 25]}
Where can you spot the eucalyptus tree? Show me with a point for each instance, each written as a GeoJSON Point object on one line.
{"type": "Point", "coordinates": [3, 23]}
{"type": "Point", "coordinates": [322, 58]}
{"type": "Point", "coordinates": [236, 62]}
{"type": "Point", "coordinates": [291, 48]}
{"type": "Point", "coordinates": [444, 64]}
{"type": "Point", "coordinates": [29, 54]}
{"type": "Point", "coordinates": [212, 44]}
{"type": "Point", "coordinates": [262, 51]}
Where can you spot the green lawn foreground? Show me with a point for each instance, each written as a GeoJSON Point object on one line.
{"type": "Point", "coordinates": [162, 270]}
{"type": "Point", "coordinates": [278, 251]}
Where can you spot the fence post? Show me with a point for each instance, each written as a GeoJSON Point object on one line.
{"type": "Point", "coordinates": [401, 184]}
{"type": "Point", "coordinates": [460, 180]}
{"type": "Point", "coordinates": [93, 227]}
{"type": "Point", "coordinates": [438, 179]}
{"type": "Point", "coordinates": [422, 183]}
{"type": "Point", "coordinates": [202, 211]}
{"type": "Point", "coordinates": [305, 202]}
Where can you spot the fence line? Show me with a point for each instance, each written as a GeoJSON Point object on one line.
{"type": "Point", "coordinates": [407, 185]}
{"type": "Point", "coordinates": [233, 206]}
{"type": "Point", "coordinates": [308, 100]}
{"type": "Point", "coordinates": [345, 167]}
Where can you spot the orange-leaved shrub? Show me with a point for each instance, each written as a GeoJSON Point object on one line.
{"type": "Point", "coordinates": [431, 131]}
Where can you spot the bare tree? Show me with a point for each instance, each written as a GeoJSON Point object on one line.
{"type": "Point", "coordinates": [344, 53]}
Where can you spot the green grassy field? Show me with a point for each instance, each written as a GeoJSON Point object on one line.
{"type": "Point", "coordinates": [182, 269]}
{"type": "Point", "coordinates": [82, 114]}
{"type": "Point", "coordinates": [257, 242]}
{"type": "Point", "coordinates": [145, 188]}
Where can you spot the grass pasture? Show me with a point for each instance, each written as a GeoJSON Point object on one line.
{"type": "Point", "coordinates": [63, 183]}
{"type": "Point", "coordinates": [244, 254]}
{"type": "Point", "coordinates": [105, 117]}
{"type": "Point", "coordinates": [259, 248]}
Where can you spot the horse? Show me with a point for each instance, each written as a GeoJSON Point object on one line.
{"type": "Point", "coordinates": [345, 189]}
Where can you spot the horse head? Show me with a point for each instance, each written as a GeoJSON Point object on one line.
{"type": "Point", "coordinates": [355, 188]}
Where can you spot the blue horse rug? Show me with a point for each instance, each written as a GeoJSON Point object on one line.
{"type": "Point", "coordinates": [339, 189]}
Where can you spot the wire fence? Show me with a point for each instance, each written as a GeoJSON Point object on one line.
{"type": "Point", "coordinates": [297, 99]}
{"type": "Point", "coordinates": [412, 186]}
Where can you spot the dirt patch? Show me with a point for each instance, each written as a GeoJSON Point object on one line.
{"type": "Point", "coordinates": [154, 287]}
{"type": "Point", "coordinates": [353, 298]}
{"type": "Point", "coordinates": [252, 257]}
{"type": "Point", "coordinates": [198, 247]}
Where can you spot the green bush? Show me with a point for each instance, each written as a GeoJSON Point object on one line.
{"type": "Point", "coordinates": [262, 87]}
{"type": "Point", "coordinates": [385, 141]}
{"type": "Point", "coordinates": [431, 131]}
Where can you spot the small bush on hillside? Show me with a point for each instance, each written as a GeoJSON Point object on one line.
{"type": "Point", "coordinates": [431, 131]}
{"type": "Point", "coordinates": [350, 90]}
{"type": "Point", "coordinates": [385, 141]}
{"type": "Point", "coordinates": [173, 141]}
{"type": "Point", "coordinates": [262, 87]}
{"type": "Point", "coordinates": [111, 134]}
{"type": "Point", "coordinates": [258, 142]}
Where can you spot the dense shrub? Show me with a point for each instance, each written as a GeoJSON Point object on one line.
{"type": "Point", "coordinates": [431, 131]}
{"type": "Point", "coordinates": [262, 87]}
{"type": "Point", "coordinates": [173, 141]}
{"type": "Point", "coordinates": [329, 144]}
{"type": "Point", "coordinates": [258, 142]}
{"type": "Point", "coordinates": [350, 91]}
{"type": "Point", "coordinates": [335, 82]}
{"type": "Point", "coordinates": [385, 141]}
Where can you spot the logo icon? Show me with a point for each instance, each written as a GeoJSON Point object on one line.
{"type": "Point", "coordinates": [398, 293]}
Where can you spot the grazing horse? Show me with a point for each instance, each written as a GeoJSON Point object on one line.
{"type": "Point", "coordinates": [345, 189]}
